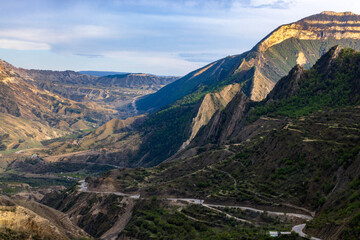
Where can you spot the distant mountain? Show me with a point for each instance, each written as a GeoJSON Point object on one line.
{"type": "Point", "coordinates": [113, 92]}
{"type": "Point", "coordinates": [36, 105]}
{"type": "Point", "coordinates": [136, 80]}
{"type": "Point", "coordinates": [101, 73]}
{"type": "Point", "coordinates": [40, 113]}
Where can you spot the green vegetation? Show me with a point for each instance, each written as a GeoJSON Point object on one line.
{"type": "Point", "coordinates": [318, 89]}
{"type": "Point", "coordinates": [155, 220]}
{"type": "Point", "coordinates": [170, 127]}
{"type": "Point", "coordinates": [34, 182]}
{"type": "Point", "coordinates": [73, 136]}
{"type": "Point", "coordinates": [197, 81]}
{"type": "Point", "coordinates": [282, 57]}
{"type": "Point", "coordinates": [8, 234]}
{"type": "Point", "coordinates": [343, 209]}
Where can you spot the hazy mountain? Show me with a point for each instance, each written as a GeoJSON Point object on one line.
{"type": "Point", "coordinates": [112, 92]}
{"type": "Point", "coordinates": [101, 73]}
{"type": "Point", "coordinates": [136, 80]}
{"type": "Point", "coordinates": [30, 114]}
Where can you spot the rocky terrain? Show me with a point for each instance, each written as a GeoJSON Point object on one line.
{"type": "Point", "coordinates": [24, 105]}
{"type": "Point", "coordinates": [31, 220]}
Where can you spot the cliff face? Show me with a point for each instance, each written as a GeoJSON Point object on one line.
{"type": "Point", "coordinates": [102, 215]}
{"type": "Point", "coordinates": [321, 26]}
{"type": "Point", "coordinates": [224, 123]}
{"type": "Point", "coordinates": [211, 103]}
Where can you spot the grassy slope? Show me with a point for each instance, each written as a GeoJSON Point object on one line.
{"type": "Point", "coordinates": [19, 133]}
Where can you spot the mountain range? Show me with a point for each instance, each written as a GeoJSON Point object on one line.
{"type": "Point", "coordinates": [188, 104]}
{"type": "Point", "coordinates": [37, 105]}
{"type": "Point", "coordinates": [267, 140]}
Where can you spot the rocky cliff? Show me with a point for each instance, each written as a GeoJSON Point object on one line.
{"type": "Point", "coordinates": [31, 220]}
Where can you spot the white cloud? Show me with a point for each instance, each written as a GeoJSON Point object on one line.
{"type": "Point", "coordinates": [57, 35]}
{"type": "Point", "coordinates": [257, 3]}
{"type": "Point", "coordinates": [153, 62]}
{"type": "Point", "coordinates": [22, 45]}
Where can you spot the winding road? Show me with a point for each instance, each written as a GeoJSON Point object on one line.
{"type": "Point", "coordinates": [84, 188]}
{"type": "Point", "coordinates": [297, 228]}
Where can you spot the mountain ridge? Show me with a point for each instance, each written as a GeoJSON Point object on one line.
{"type": "Point", "coordinates": [304, 29]}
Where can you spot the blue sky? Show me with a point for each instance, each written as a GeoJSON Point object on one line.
{"type": "Point", "coordinates": [166, 37]}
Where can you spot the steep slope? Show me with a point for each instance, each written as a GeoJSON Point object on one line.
{"type": "Point", "coordinates": [211, 103]}
{"type": "Point", "coordinates": [297, 149]}
{"type": "Point", "coordinates": [302, 42]}
{"type": "Point", "coordinates": [31, 220]}
{"type": "Point", "coordinates": [102, 215]}
{"type": "Point", "coordinates": [21, 98]}
{"type": "Point", "coordinates": [42, 114]}
{"type": "Point", "coordinates": [19, 133]}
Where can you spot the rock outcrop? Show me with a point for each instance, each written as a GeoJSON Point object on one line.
{"type": "Point", "coordinates": [34, 219]}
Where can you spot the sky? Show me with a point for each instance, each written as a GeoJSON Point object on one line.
{"type": "Point", "coordinates": [164, 37]}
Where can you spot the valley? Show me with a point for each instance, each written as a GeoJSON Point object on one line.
{"type": "Point", "coordinates": [257, 144]}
